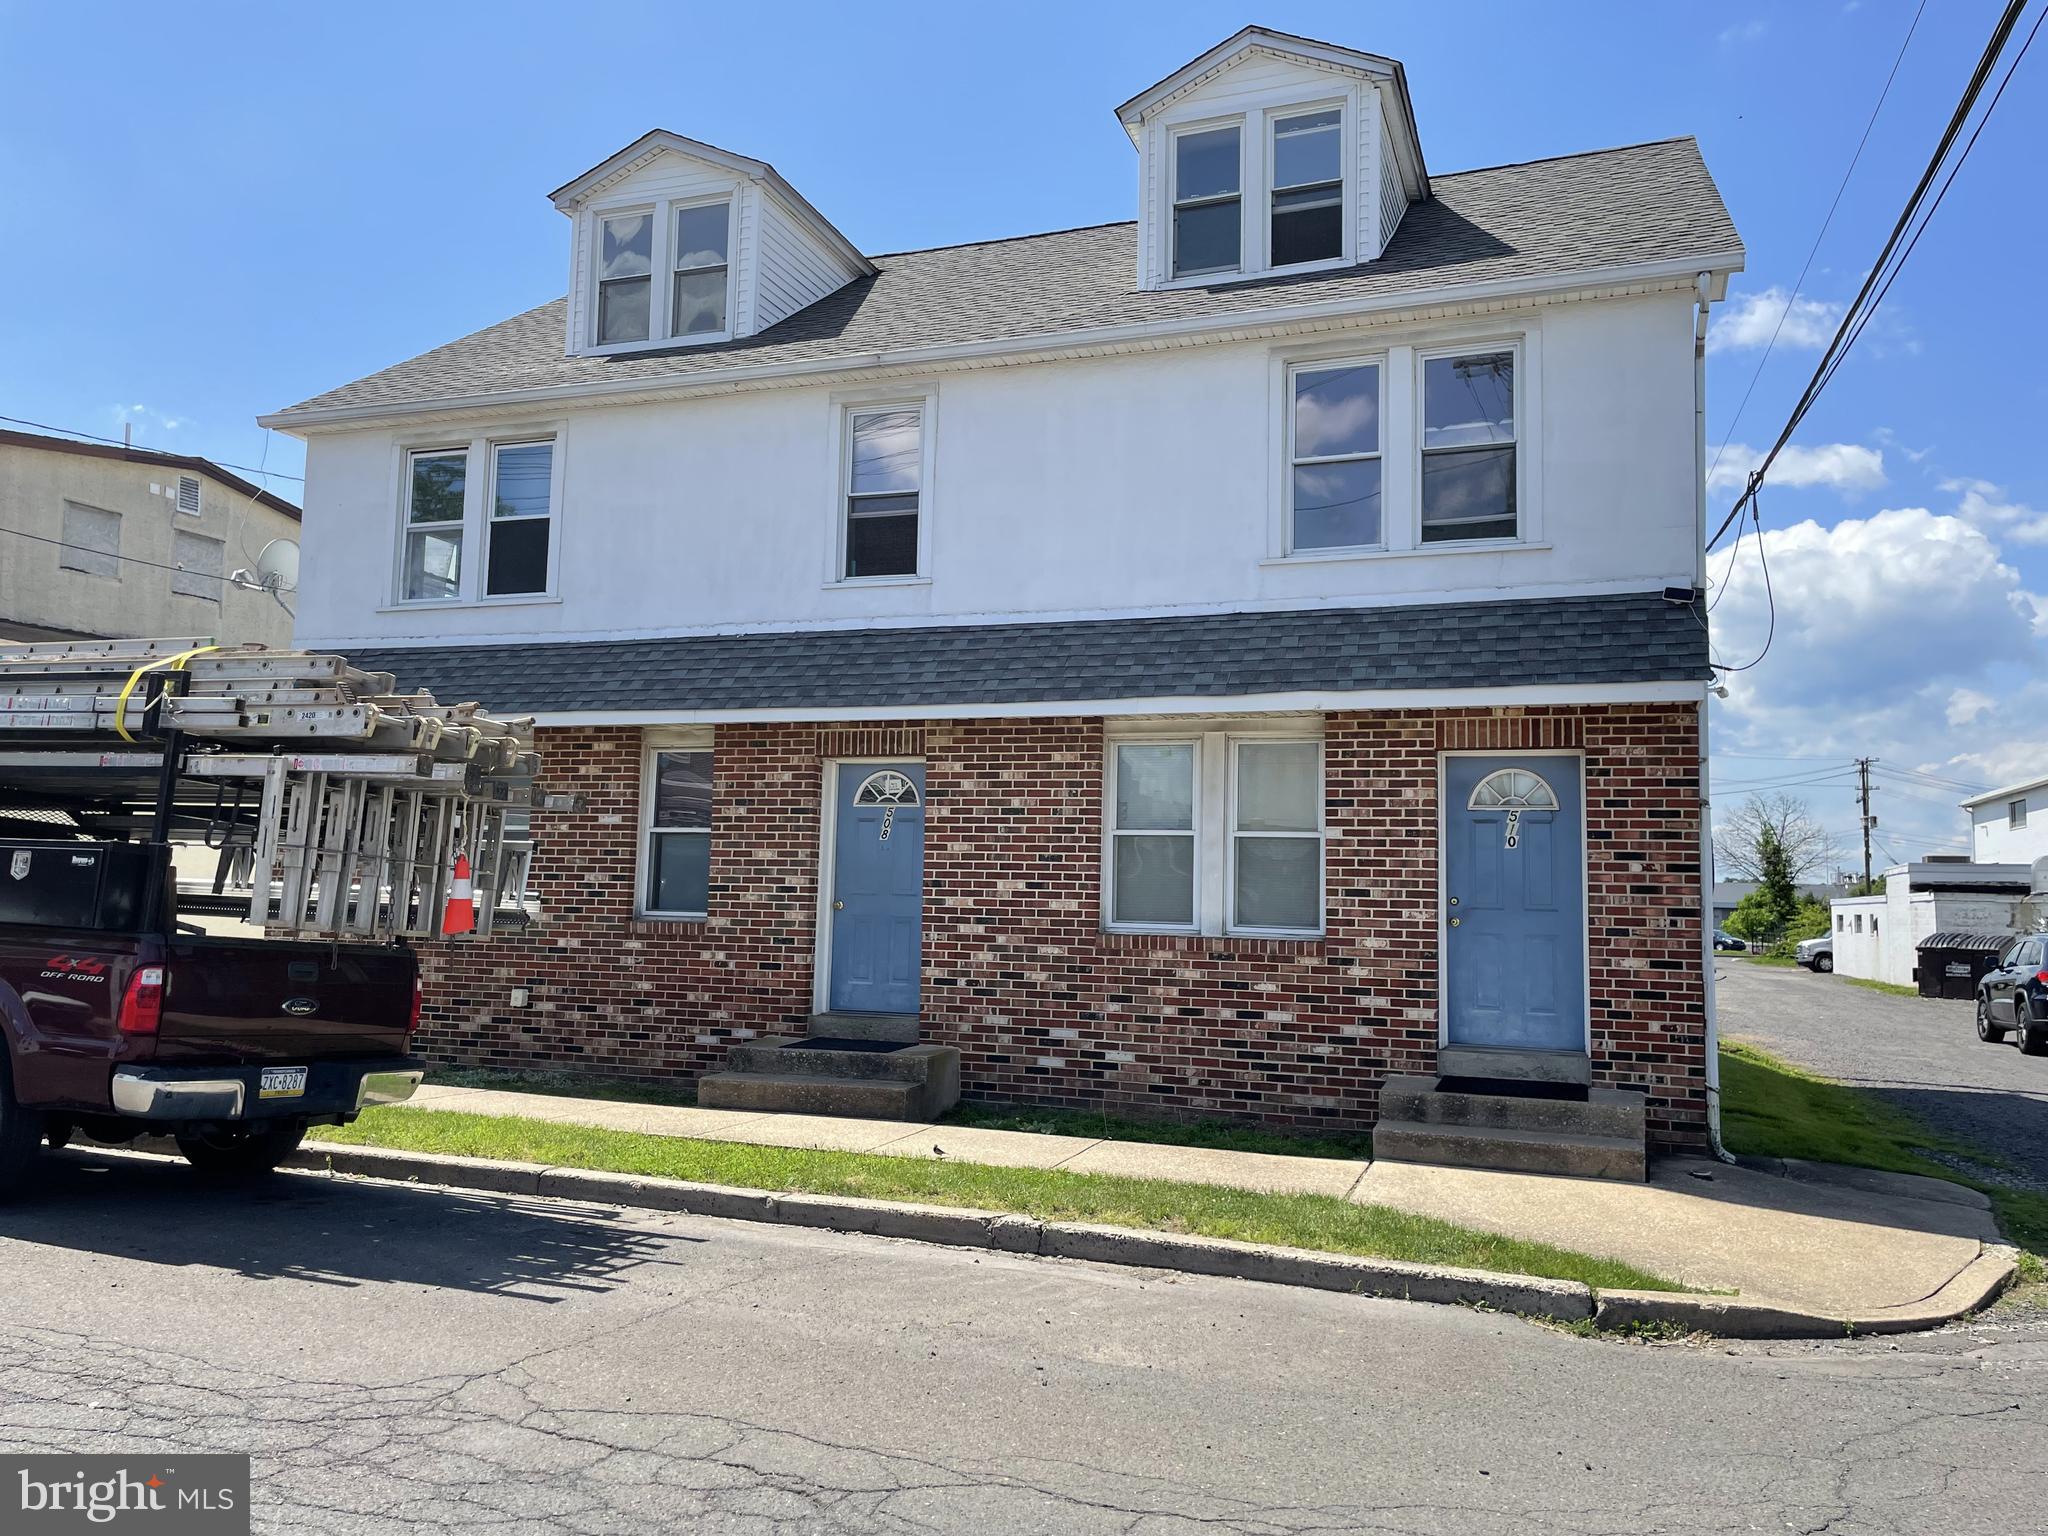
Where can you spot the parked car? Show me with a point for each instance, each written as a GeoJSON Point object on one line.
{"type": "Point", "coordinates": [2014, 996]}
{"type": "Point", "coordinates": [116, 1020]}
{"type": "Point", "coordinates": [1816, 954]}
{"type": "Point", "coordinates": [1728, 943]}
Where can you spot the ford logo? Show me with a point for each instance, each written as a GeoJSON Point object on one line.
{"type": "Point", "coordinates": [299, 1007]}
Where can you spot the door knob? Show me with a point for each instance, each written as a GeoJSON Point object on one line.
{"type": "Point", "coordinates": [838, 906]}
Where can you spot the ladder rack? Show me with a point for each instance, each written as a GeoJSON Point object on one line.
{"type": "Point", "coordinates": [337, 805]}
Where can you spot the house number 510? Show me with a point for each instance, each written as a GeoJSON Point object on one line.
{"type": "Point", "coordinates": [1514, 828]}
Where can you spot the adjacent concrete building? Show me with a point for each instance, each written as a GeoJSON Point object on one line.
{"type": "Point", "coordinates": [1876, 937]}
{"type": "Point", "coordinates": [102, 542]}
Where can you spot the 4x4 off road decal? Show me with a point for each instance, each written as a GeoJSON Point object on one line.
{"type": "Point", "coordinates": [71, 968]}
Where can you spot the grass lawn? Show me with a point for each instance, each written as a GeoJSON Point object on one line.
{"type": "Point", "coordinates": [1891, 987]}
{"type": "Point", "coordinates": [1297, 1221]}
{"type": "Point", "coordinates": [1773, 1109]}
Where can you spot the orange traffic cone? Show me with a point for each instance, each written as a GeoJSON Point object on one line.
{"type": "Point", "coordinates": [461, 914]}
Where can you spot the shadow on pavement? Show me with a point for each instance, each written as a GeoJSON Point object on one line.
{"type": "Point", "coordinates": [330, 1231]}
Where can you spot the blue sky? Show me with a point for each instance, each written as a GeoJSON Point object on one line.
{"type": "Point", "coordinates": [222, 209]}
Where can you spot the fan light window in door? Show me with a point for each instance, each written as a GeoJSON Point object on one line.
{"type": "Point", "coordinates": [886, 788]}
{"type": "Point", "coordinates": [1512, 789]}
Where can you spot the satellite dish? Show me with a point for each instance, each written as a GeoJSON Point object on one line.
{"type": "Point", "coordinates": [277, 565]}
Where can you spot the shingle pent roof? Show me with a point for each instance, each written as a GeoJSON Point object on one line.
{"type": "Point", "coordinates": [1545, 218]}
{"type": "Point", "coordinates": [1630, 638]}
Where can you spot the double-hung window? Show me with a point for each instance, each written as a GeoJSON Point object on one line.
{"type": "Point", "coordinates": [1215, 834]}
{"type": "Point", "coordinates": [522, 486]}
{"type": "Point", "coordinates": [625, 277]}
{"type": "Point", "coordinates": [1208, 218]}
{"type": "Point", "coordinates": [700, 253]}
{"type": "Point", "coordinates": [436, 484]}
{"type": "Point", "coordinates": [1308, 188]}
{"type": "Point", "coordinates": [677, 818]}
{"type": "Point", "coordinates": [1468, 446]}
{"type": "Point", "coordinates": [884, 489]}
{"type": "Point", "coordinates": [1334, 453]}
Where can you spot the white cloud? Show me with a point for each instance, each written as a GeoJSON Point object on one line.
{"type": "Point", "coordinates": [1966, 704]}
{"type": "Point", "coordinates": [1983, 505]}
{"type": "Point", "coordinates": [1743, 32]}
{"type": "Point", "coordinates": [144, 416]}
{"type": "Point", "coordinates": [1750, 320]}
{"type": "Point", "coordinates": [1845, 467]}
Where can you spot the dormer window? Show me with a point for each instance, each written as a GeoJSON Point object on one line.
{"type": "Point", "coordinates": [700, 245]}
{"type": "Point", "coordinates": [625, 273]}
{"type": "Point", "coordinates": [1308, 188]}
{"type": "Point", "coordinates": [1208, 185]}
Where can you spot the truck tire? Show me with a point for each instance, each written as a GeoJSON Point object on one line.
{"type": "Point", "coordinates": [242, 1154]}
{"type": "Point", "coordinates": [1823, 963]}
{"type": "Point", "coordinates": [21, 1135]}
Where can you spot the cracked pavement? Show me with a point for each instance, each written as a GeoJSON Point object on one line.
{"type": "Point", "coordinates": [398, 1358]}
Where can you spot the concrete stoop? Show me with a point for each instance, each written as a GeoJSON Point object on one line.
{"type": "Point", "coordinates": [793, 1074]}
{"type": "Point", "coordinates": [1601, 1135]}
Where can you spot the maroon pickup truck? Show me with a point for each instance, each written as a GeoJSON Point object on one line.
{"type": "Point", "coordinates": [117, 1023]}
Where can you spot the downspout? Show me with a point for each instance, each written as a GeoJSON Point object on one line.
{"type": "Point", "coordinates": [1708, 959]}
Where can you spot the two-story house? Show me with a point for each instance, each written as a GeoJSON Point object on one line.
{"type": "Point", "coordinates": [1207, 664]}
{"type": "Point", "coordinates": [99, 541]}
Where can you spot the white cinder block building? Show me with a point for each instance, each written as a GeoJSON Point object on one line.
{"type": "Point", "coordinates": [1876, 936]}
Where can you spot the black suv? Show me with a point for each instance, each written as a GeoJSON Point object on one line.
{"type": "Point", "coordinates": [2014, 995]}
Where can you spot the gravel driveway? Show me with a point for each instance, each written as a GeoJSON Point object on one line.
{"type": "Point", "coordinates": [1922, 1053]}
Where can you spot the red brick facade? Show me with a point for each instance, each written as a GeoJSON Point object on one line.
{"type": "Point", "coordinates": [1046, 1007]}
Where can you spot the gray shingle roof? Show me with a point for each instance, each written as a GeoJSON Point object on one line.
{"type": "Point", "coordinates": [1615, 207]}
{"type": "Point", "coordinates": [1629, 638]}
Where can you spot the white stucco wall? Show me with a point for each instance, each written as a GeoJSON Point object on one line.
{"type": "Point", "coordinates": [1122, 484]}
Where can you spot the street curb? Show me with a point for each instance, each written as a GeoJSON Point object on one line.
{"type": "Point", "coordinates": [955, 1227]}
{"type": "Point", "coordinates": [1975, 1285]}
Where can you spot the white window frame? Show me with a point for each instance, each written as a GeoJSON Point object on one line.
{"type": "Point", "coordinates": [1216, 746]}
{"type": "Point", "coordinates": [1423, 356]}
{"type": "Point", "coordinates": [1174, 135]}
{"type": "Point", "coordinates": [2016, 814]}
{"type": "Point", "coordinates": [653, 743]}
{"type": "Point", "coordinates": [1293, 369]}
{"type": "Point", "coordinates": [492, 522]}
{"type": "Point", "coordinates": [1194, 833]}
{"type": "Point", "coordinates": [661, 288]}
{"type": "Point", "coordinates": [1347, 184]}
{"type": "Point", "coordinates": [845, 407]}
{"type": "Point", "coordinates": [479, 488]}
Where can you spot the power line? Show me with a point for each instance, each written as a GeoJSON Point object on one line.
{"type": "Point", "coordinates": [1855, 317]}
{"type": "Point", "coordinates": [107, 554]}
{"type": "Point", "coordinates": [247, 469]}
{"type": "Point", "coordinates": [1800, 282]}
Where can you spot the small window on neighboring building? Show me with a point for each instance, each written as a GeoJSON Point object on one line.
{"type": "Point", "coordinates": [1334, 476]}
{"type": "Point", "coordinates": [1841, 923]}
{"type": "Point", "coordinates": [885, 469]}
{"type": "Point", "coordinates": [1859, 922]}
{"type": "Point", "coordinates": [697, 304]}
{"type": "Point", "coordinates": [202, 565]}
{"type": "Point", "coordinates": [1308, 188]}
{"type": "Point", "coordinates": [625, 267]}
{"type": "Point", "coordinates": [2016, 814]}
{"type": "Point", "coordinates": [188, 494]}
{"type": "Point", "coordinates": [516, 540]}
{"type": "Point", "coordinates": [1873, 925]}
{"type": "Point", "coordinates": [1152, 835]}
{"type": "Point", "coordinates": [435, 485]}
{"type": "Point", "coordinates": [1208, 219]}
{"type": "Point", "coordinates": [1468, 447]}
{"type": "Point", "coordinates": [92, 541]}
{"type": "Point", "coordinates": [678, 834]}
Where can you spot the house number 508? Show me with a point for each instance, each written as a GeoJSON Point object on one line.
{"type": "Point", "coordinates": [1514, 828]}
{"type": "Point", "coordinates": [888, 821]}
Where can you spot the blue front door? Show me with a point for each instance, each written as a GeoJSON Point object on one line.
{"type": "Point", "coordinates": [1514, 917]}
{"type": "Point", "coordinates": [878, 888]}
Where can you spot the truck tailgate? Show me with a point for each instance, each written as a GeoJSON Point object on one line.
{"type": "Point", "coordinates": [285, 1001]}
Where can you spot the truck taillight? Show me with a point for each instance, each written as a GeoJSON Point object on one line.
{"type": "Point", "coordinates": [412, 1024]}
{"type": "Point", "coordinates": [142, 1005]}
{"type": "Point", "coordinates": [2042, 977]}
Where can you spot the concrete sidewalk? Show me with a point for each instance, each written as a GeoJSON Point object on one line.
{"type": "Point", "coordinates": [1804, 1238]}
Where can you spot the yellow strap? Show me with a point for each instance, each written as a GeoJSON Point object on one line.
{"type": "Point", "coordinates": [175, 663]}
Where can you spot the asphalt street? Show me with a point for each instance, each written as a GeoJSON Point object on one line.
{"type": "Point", "coordinates": [1922, 1053]}
{"type": "Point", "coordinates": [400, 1359]}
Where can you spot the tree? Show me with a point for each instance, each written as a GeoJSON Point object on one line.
{"type": "Point", "coordinates": [1806, 845]}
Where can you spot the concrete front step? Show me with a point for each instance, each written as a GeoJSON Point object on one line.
{"type": "Point", "coordinates": [1516, 1151]}
{"type": "Point", "coordinates": [900, 1027]}
{"type": "Point", "coordinates": [1603, 1112]}
{"type": "Point", "coordinates": [804, 1093]}
{"type": "Point", "coordinates": [786, 1055]}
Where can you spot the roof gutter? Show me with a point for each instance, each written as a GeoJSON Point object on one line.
{"type": "Point", "coordinates": [1328, 314]}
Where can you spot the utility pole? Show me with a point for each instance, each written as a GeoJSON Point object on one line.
{"type": "Point", "coordinates": [1869, 821]}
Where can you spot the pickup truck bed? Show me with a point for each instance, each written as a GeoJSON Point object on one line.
{"type": "Point", "coordinates": [116, 1027]}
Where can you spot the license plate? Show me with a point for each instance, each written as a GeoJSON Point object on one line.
{"type": "Point", "coordinates": [282, 1083]}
